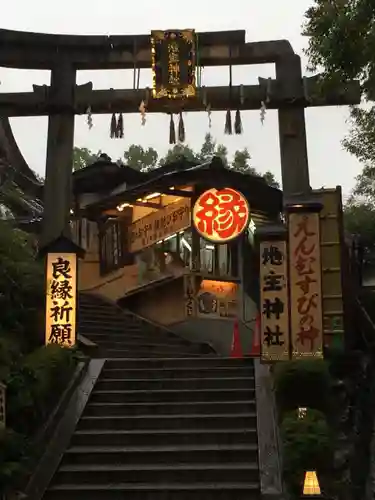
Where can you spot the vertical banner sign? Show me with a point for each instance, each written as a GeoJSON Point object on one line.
{"type": "Point", "coordinates": [274, 301]}
{"type": "Point", "coordinates": [190, 296]}
{"type": "Point", "coordinates": [173, 64]}
{"type": "Point", "coordinates": [61, 299]}
{"type": "Point", "coordinates": [305, 285]}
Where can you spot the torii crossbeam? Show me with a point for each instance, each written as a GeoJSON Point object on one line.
{"type": "Point", "coordinates": [290, 94]}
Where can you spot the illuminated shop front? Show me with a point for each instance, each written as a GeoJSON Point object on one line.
{"type": "Point", "coordinates": [167, 237]}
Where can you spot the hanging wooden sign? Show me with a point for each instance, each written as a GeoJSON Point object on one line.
{"type": "Point", "coordinates": [159, 225]}
{"type": "Point", "coordinates": [274, 301]}
{"type": "Point", "coordinates": [305, 285]}
{"type": "Point", "coordinates": [173, 64]}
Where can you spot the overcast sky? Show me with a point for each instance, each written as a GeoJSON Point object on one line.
{"type": "Point", "coordinates": [329, 164]}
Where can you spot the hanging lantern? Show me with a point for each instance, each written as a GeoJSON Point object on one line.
{"type": "Point", "coordinates": [311, 484]}
{"type": "Point", "coordinates": [173, 64]}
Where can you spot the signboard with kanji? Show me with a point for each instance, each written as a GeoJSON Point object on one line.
{"type": "Point", "coordinates": [173, 64]}
{"type": "Point", "coordinates": [221, 215]}
{"type": "Point", "coordinates": [61, 299]}
{"type": "Point", "coordinates": [305, 285]}
{"type": "Point", "coordinates": [159, 225]}
{"type": "Point", "coordinates": [274, 301]}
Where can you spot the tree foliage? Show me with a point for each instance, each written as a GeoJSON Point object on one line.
{"type": "Point", "coordinates": [143, 159]}
{"type": "Point", "coordinates": [82, 157]}
{"type": "Point", "coordinates": [341, 44]}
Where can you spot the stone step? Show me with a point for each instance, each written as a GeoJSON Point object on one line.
{"type": "Point", "coordinates": [159, 437]}
{"type": "Point", "coordinates": [162, 454]}
{"type": "Point", "coordinates": [143, 343]}
{"type": "Point", "coordinates": [140, 352]}
{"type": "Point", "coordinates": [208, 421]}
{"type": "Point", "coordinates": [199, 362]}
{"type": "Point", "coordinates": [109, 321]}
{"type": "Point", "coordinates": [104, 314]}
{"type": "Point", "coordinates": [104, 334]}
{"type": "Point", "coordinates": [122, 384]}
{"type": "Point", "coordinates": [161, 395]}
{"type": "Point", "coordinates": [157, 491]}
{"type": "Point", "coordinates": [168, 408]}
{"type": "Point", "coordinates": [178, 373]}
{"type": "Point", "coordinates": [152, 473]}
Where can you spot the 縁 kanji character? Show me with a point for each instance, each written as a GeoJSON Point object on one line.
{"type": "Point", "coordinates": [224, 213]}
{"type": "Point", "coordinates": [272, 255]}
{"type": "Point", "coordinates": [61, 334]}
{"type": "Point", "coordinates": [273, 337]}
{"type": "Point", "coordinates": [272, 282]}
{"type": "Point", "coordinates": [61, 268]}
{"type": "Point", "coordinates": [61, 289]}
{"type": "Point", "coordinates": [275, 307]}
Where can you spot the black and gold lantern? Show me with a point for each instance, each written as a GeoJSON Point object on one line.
{"type": "Point", "coordinates": [173, 64]}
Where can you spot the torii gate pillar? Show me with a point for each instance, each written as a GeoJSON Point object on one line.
{"type": "Point", "coordinates": [59, 162]}
{"type": "Point", "coordinates": [292, 131]}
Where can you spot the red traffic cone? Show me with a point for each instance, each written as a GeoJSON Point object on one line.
{"type": "Point", "coordinates": [236, 349]}
{"type": "Point", "coordinates": [255, 347]}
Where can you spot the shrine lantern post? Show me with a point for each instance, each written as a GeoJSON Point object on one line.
{"type": "Point", "coordinates": [61, 258]}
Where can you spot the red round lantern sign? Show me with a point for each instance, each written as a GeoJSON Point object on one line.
{"type": "Point", "coordinates": [220, 215]}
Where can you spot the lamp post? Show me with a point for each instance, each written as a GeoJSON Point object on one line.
{"type": "Point", "coordinates": [61, 290]}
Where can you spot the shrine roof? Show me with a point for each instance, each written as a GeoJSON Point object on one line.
{"type": "Point", "coordinates": [260, 195]}
{"type": "Point", "coordinates": [21, 190]}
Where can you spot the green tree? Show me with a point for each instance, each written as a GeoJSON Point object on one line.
{"type": "Point", "coordinates": [82, 157]}
{"type": "Point", "coordinates": [208, 149]}
{"type": "Point", "coordinates": [141, 159]}
{"type": "Point", "coordinates": [341, 41]}
{"type": "Point", "coordinates": [148, 159]}
{"type": "Point", "coordinates": [178, 151]}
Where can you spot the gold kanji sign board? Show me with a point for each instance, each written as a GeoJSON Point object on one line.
{"type": "Point", "coordinates": [173, 64]}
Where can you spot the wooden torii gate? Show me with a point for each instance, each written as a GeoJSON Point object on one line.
{"type": "Point", "coordinates": [289, 93]}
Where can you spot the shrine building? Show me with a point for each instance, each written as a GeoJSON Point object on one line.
{"type": "Point", "coordinates": [175, 244]}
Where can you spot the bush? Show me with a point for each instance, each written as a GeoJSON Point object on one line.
{"type": "Point", "coordinates": [12, 448]}
{"type": "Point", "coordinates": [21, 285]}
{"type": "Point", "coordinates": [307, 445]}
{"type": "Point", "coordinates": [9, 354]}
{"type": "Point", "coordinates": [35, 387]}
{"type": "Point", "coordinates": [302, 383]}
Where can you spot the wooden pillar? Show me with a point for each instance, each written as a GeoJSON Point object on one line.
{"type": "Point", "coordinates": [292, 129]}
{"type": "Point", "coordinates": [58, 188]}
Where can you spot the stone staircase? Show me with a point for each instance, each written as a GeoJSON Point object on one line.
{"type": "Point", "coordinates": [122, 334]}
{"type": "Point", "coordinates": [175, 426]}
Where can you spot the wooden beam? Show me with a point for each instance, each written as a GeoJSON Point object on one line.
{"type": "Point", "coordinates": [177, 192]}
{"type": "Point", "coordinates": [39, 51]}
{"type": "Point", "coordinates": [127, 101]}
